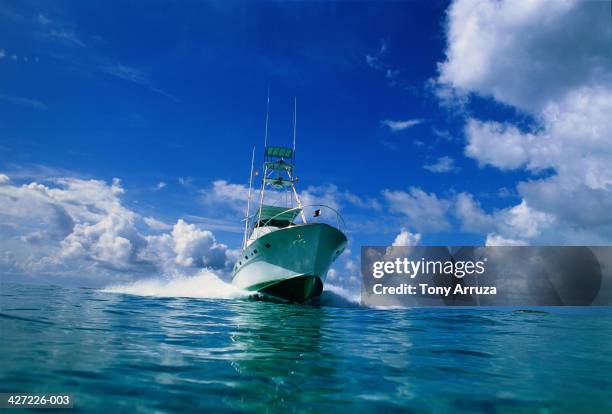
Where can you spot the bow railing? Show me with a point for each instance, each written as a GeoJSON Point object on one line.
{"type": "Point", "coordinates": [314, 212]}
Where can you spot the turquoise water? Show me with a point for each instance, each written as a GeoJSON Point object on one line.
{"type": "Point", "coordinates": [124, 353]}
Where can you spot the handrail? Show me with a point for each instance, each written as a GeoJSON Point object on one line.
{"type": "Point", "coordinates": [338, 215]}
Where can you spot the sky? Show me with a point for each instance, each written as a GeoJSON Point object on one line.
{"type": "Point", "coordinates": [126, 130]}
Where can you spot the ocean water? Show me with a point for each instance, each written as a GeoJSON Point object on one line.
{"type": "Point", "coordinates": [119, 352]}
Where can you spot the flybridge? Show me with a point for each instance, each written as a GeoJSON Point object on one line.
{"type": "Point", "coordinates": [279, 159]}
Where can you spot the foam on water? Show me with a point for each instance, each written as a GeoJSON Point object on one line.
{"type": "Point", "coordinates": [340, 297]}
{"type": "Point", "coordinates": [209, 285]}
{"type": "Point", "coordinates": [204, 285]}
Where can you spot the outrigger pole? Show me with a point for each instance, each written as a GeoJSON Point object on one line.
{"type": "Point", "coordinates": [294, 123]}
{"type": "Point", "coordinates": [263, 178]}
{"type": "Point", "coordinates": [297, 197]}
{"type": "Point", "coordinates": [246, 218]}
{"type": "Point", "coordinates": [267, 116]}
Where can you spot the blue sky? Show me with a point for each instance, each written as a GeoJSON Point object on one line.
{"type": "Point", "coordinates": [395, 123]}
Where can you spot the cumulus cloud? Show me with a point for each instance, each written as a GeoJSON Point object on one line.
{"type": "Point", "coordinates": [406, 238]}
{"type": "Point", "coordinates": [223, 192]}
{"type": "Point", "coordinates": [196, 247]}
{"type": "Point", "coordinates": [444, 164]}
{"type": "Point", "coordinates": [526, 54]}
{"type": "Point", "coordinates": [425, 212]}
{"type": "Point", "coordinates": [519, 221]}
{"type": "Point", "coordinates": [81, 229]}
{"type": "Point", "coordinates": [551, 61]}
{"type": "Point", "coordinates": [396, 126]}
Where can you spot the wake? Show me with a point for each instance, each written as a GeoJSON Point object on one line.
{"type": "Point", "coordinates": [204, 285]}
{"type": "Point", "coordinates": [208, 285]}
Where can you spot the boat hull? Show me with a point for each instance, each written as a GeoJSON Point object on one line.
{"type": "Point", "coordinates": [290, 263]}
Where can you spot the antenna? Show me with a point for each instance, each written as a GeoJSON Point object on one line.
{"type": "Point", "coordinates": [267, 116]}
{"type": "Point", "coordinates": [294, 120]}
{"type": "Point", "coordinates": [295, 193]}
{"type": "Point", "coordinates": [246, 218]}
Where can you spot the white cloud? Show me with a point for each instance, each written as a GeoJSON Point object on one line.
{"type": "Point", "coordinates": [396, 126]}
{"type": "Point", "coordinates": [160, 185]}
{"type": "Point", "coordinates": [228, 194]}
{"type": "Point", "coordinates": [328, 195]}
{"type": "Point", "coordinates": [81, 229]}
{"type": "Point", "coordinates": [472, 216]}
{"type": "Point", "coordinates": [425, 212]}
{"type": "Point", "coordinates": [497, 240]}
{"type": "Point", "coordinates": [155, 224]}
{"type": "Point", "coordinates": [361, 202]}
{"type": "Point", "coordinates": [196, 247]}
{"type": "Point", "coordinates": [444, 164]}
{"type": "Point", "coordinates": [519, 221]}
{"type": "Point", "coordinates": [406, 238]}
{"type": "Point", "coordinates": [112, 241]}
{"type": "Point", "coordinates": [524, 221]}
{"type": "Point", "coordinates": [2, 53]}
{"type": "Point", "coordinates": [526, 54]}
{"type": "Point", "coordinates": [551, 61]}
{"type": "Point", "coordinates": [574, 140]}
{"type": "Point", "coordinates": [4, 179]}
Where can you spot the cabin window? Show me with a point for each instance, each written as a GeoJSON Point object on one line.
{"type": "Point", "coordinates": [255, 251]}
{"type": "Point", "coordinates": [274, 223]}
{"type": "Point", "coordinates": [267, 244]}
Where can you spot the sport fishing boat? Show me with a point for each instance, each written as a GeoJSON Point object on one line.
{"type": "Point", "coordinates": [280, 257]}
